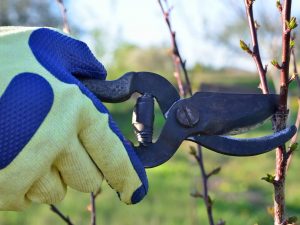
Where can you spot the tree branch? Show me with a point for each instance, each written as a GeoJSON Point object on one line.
{"type": "Point", "coordinates": [280, 117]}
{"type": "Point", "coordinates": [177, 58]}
{"type": "Point", "coordinates": [61, 215]}
{"type": "Point", "coordinates": [284, 73]}
{"type": "Point", "coordinates": [92, 206]}
{"type": "Point", "coordinates": [181, 64]}
{"type": "Point", "coordinates": [93, 209]}
{"type": "Point", "coordinates": [255, 52]}
{"type": "Point", "coordinates": [63, 10]}
{"type": "Point", "coordinates": [207, 200]}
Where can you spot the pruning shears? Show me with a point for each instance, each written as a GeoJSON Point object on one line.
{"type": "Point", "coordinates": [203, 118]}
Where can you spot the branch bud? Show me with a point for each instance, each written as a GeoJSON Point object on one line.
{"type": "Point", "coordinates": [245, 47]}
{"type": "Point", "coordinates": [269, 178]}
{"type": "Point", "coordinates": [292, 44]}
{"type": "Point", "coordinates": [293, 147]}
{"type": "Point", "coordinates": [257, 25]}
{"type": "Point", "coordinates": [214, 171]}
{"type": "Point", "coordinates": [291, 79]}
{"type": "Point", "coordinates": [279, 6]}
{"type": "Point", "coordinates": [196, 194]}
{"type": "Point", "coordinates": [250, 2]}
{"type": "Point", "coordinates": [270, 211]}
{"type": "Point", "coordinates": [292, 24]}
{"type": "Point", "coordinates": [210, 201]}
{"type": "Point", "coordinates": [275, 63]}
{"type": "Point", "coordinates": [193, 151]}
{"type": "Point", "coordinates": [292, 220]}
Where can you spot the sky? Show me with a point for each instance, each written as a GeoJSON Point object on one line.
{"type": "Point", "coordinates": [141, 22]}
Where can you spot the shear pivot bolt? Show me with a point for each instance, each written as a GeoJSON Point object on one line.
{"type": "Point", "coordinates": [187, 116]}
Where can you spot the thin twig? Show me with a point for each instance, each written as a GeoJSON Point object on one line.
{"type": "Point", "coordinates": [177, 59]}
{"type": "Point", "coordinates": [255, 52]}
{"type": "Point", "coordinates": [61, 215]}
{"type": "Point", "coordinates": [181, 64]}
{"type": "Point", "coordinates": [63, 10]}
{"type": "Point", "coordinates": [294, 60]}
{"type": "Point", "coordinates": [92, 206]}
{"type": "Point", "coordinates": [284, 73]}
{"type": "Point", "coordinates": [93, 209]}
{"type": "Point", "coordinates": [205, 195]}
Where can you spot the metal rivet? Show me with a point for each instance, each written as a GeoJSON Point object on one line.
{"type": "Point", "coordinates": [187, 116]}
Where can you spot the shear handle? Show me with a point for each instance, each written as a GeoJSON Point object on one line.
{"type": "Point", "coordinates": [121, 89]}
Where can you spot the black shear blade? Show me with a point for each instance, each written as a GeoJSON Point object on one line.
{"type": "Point", "coordinates": [222, 113]}
{"type": "Point", "coordinates": [244, 147]}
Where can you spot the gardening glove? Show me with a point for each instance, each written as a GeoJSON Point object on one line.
{"type": "Point", "coordinates": [54, 132]}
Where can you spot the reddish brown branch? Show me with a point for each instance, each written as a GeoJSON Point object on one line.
{"type": "Point", "coordinates": [181, 64]}
{"type": "Point", "coordinates": [207, 200]}
{"type": "Point", "coordinates": [92, 206]}
{"type": "Point", "coordinates": [279, 119]}
{"type": "Point", "coordinates": [280, 122]}
{"type": "Point", "coordinates": [63, 10]}
{"type": "Point", "coordinates": [66, 219]}
{"type": "Point", "coordinates": [294, 60]}
{"type": "Point", "coordinates": [93, 209]}
{"type": "Point", "coordinates": [177, 58]}
{"type": "Point", "coordinates": [255, 52]}
{"type": "Point", "coordinates": [284, 73]}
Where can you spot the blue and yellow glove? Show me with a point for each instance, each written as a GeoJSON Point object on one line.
{"type": "Point", "coordinates": [54, 133]}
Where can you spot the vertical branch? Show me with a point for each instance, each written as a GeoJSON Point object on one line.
{"type": "Point", "coordinates": [181, 64]}
{"type": "Point", "coordinates": [93, 209]}
{"type": "Point", "coordinates": [92, 206]}
{"type": "Point", "coordinates": [63, 10]}
{"type": "Point", "coordinates": [294, 60]}
{"type": "Point", "coordinates": [207, 200]}
{"type": "Point", "coordinates": [177, 59]}
{"type": "Point", "coordinates": [286, 37]}
{"type": "Point", "coordinates": [66, 219]}
{"type": "Point", "coordinates": [279, 119]}
{"type": "Point", "coordinates": [255, 51]}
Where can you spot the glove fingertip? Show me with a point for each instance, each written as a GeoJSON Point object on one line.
{"type": "Point", "coordinates": [140, 193]}
{"type": "Point", "coordinates": [134, 159]}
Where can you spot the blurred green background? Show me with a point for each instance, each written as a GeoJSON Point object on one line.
{"type": "Point", "coordinates": [238, 193]}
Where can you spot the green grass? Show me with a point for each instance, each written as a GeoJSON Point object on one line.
{"type": "Point", "coordinates": [240, 197]}
{"type": "Point", "coordinates": [238, 193]}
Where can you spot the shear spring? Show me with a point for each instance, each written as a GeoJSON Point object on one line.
{"type": "Point", "coordinates": [143, 118]}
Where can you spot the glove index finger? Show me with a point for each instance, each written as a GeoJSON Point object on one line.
{"type": "Point", "coordinates": [63, 55]}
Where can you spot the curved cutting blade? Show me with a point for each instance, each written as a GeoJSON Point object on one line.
{"type": "Point", "coordinates": [244, 147]}
{"type": "Point", "coordinates": [222, 113]}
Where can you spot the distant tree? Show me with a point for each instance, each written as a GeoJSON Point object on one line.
{"type": "Point", "coordinates": [128, 57]}
{"type": "Point", "coordinates": [267, 19]}
{"type": "Point", "coordinates": [29, 13]}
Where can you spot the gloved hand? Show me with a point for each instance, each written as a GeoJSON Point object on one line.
{"type": "Point", "coordinates": [54, 133]}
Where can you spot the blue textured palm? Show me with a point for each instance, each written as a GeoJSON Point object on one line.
{"type": "Point", "coordinates": [23, 107]}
